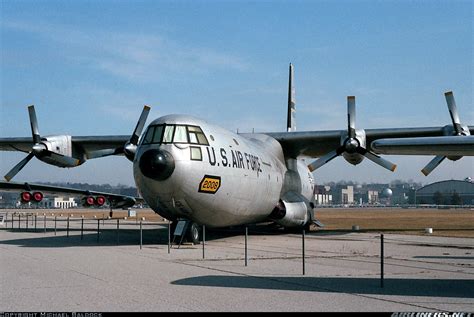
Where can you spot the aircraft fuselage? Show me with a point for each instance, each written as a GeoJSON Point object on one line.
{"type": "Point", "coordinates": [227, 179]}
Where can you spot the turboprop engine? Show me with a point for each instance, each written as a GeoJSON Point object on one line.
{"type": "Point", "coordinates": [291, 214]}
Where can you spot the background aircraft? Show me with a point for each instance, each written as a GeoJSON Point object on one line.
{"type": "Point", "coordinates": [185, 167]}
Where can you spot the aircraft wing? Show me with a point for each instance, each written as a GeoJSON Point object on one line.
{"type": "Point", "coordinates": [440, 145]}
{"type": "Point", "coordinates": [89, 145]}
{"type": "Point", "coordinates": [318, 143]}
{"type": "Point", "coordinates": [115, 200]}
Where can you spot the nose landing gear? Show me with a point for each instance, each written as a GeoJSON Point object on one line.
{"type": "Point", "coordinates": [186, 230]}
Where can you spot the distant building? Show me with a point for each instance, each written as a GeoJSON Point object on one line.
{"type": "Point", "coordinates": [343, 194]}
{"type": "Point", "coordinates": [51, 202]}
{"type": "Point", "coordinates": [347, 195]}
{"type": "Point", "coordinates": [322, 195]}
{"type": "Point", "coordinates": [60, 202]}
{"type": "Point", "coordinates": [450, 192]}
{"type": "Point", "coordinates": [364, 196]}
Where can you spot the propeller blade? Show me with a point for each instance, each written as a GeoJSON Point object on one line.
{"type": "Point", "coordinates": [18, 167]}
{"type": "Point", "coordinates": [323, 160]}
{"type": "Point", "coordinates": [379, 160]}
{"type": "Point", "coordinates": [453, 112]}
{"type": "Point", "coordinates": [351, 116]}
{"type": "Point", "coordinates": [140, 124]}
{"type": "Point", "coordinates": [290, 119]}
{"type": "Point", "coordinates": [34, 124]}
{"type": "Point", "coordinates": [432, 164]}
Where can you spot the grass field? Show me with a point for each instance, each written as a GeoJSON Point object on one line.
{"type": "Point", "coordinates": [445, 222]}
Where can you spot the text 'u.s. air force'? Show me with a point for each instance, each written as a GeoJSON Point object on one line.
{"type": "Point", "coordinates": [234, 159]}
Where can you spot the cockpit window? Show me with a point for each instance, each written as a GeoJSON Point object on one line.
{"type": "Point", "coordinates": [196, 136]}
{"type": "Point", "coordinates": [172, 133]}
{"type": "Point", "coordinates": [149, 135]}
{"type": "Point", "coordinates": [168, 135]}
{"type": "Point", "coordinates": [180, 135]}
{"type": "Point", "coordinates": [158, 134]}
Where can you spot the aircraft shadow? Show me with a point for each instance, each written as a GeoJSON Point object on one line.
{"type": "Point", "coordinates": [447, 257]}
{"type": "Point", "coordinates": [392, 286]}
{"type": "Point", "coordinates": [107, 237]}
{"type": "Point", "coordinates": [152, 234]}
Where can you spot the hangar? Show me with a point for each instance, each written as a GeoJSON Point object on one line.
{"type": "Point", "coordinates": [449, 192]}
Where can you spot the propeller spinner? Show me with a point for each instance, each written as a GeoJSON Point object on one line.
{"type": "Point", "coordinates": [352, 145]}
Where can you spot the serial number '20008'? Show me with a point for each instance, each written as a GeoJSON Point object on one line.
{"type": "Point", "coordinates": [210, 184]}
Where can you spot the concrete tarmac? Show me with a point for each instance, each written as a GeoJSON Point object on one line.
{"type": "Point", "coordinates": [50, 271]}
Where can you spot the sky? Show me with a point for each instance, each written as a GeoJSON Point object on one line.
{"type": "Point", "coordinates": [90, 66]}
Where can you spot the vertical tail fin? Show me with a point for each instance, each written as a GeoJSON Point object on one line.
{"type": "Point", "coordinates": [290, 123]}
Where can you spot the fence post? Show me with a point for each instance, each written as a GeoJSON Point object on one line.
{"type": "Point", "coordinates": [203, 240]}
{"type": "Point", "coordinates": [381, 260]}
{"type": "Point", "coordinates": [303, 236]}
{"type": "Point", "coordinates": [98, 228]}
{"type": "Point", "coordinates": [141, 235]}
{"type": "Point", "coordinates": [67, 230]}
{"type": "Point", "coordinates": [82, 226]}
{"type": "Point", "coordinates": [246, 238]}
{"type": "Point", "coordinates": [169, 236]}
{"type": "Point", "coordinates": [118, 229]}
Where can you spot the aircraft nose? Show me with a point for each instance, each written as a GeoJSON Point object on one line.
{"type": "Point", "coordinates": [157, 164]}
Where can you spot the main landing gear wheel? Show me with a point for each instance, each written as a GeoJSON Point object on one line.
{"type": "Point", "coordinates": [194, 233]}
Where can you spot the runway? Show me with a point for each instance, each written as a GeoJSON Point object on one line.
{"type": "Point", "coordinates": [48, 271]}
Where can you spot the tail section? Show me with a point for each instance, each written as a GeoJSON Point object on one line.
{"type": "Point", "coordinates": [290, 123]}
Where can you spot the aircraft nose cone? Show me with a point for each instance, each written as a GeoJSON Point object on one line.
{"type": "Point", "coordinates": [157, 164]}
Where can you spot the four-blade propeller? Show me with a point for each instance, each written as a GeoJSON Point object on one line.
{"type": "Point", "coordinates": [457, 130]}
{"type": "Point", "coordinates": [353, 145]}
{"type": "Point", "coordinates": [39, 149]}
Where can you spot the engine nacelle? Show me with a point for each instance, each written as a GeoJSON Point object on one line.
{"type": "Point", "coordinates": [91, 201]}
{"type": "Point", "coordinates": [291, 214]}
{"type": "Point", "coordinates": [27, 197]}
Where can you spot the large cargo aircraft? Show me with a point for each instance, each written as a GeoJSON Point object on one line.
{"type": "Point", "coordinates": [187, 168]}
